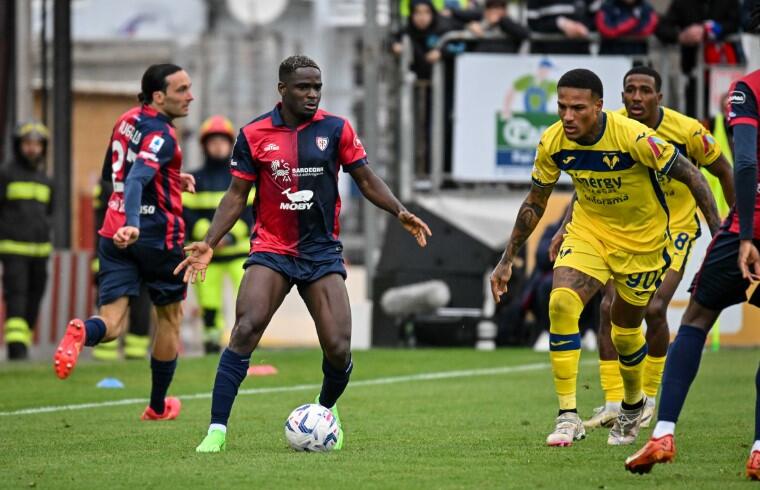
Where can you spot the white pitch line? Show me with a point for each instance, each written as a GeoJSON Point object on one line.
{"type": "Point", "coordinates": [468, 373]}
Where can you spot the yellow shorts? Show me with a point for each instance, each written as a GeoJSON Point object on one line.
{"type": "Point", "coordinates": [680, 247]}
{"type": "Point", "coordinates": [636, 276]}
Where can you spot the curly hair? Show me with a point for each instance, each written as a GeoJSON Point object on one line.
{"type": "Point", "coordinates": [292, 63]}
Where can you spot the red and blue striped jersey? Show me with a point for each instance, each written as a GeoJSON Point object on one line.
{"type": "Point", "coordinates": [295, 171]}
{"type": "Point", "coordinates": [145, 140]}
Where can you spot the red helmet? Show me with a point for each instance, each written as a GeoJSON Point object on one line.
{"type": "Point", "coordinates": [217, 125]}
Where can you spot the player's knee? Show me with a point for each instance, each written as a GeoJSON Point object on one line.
{"type": "Point", "coordinates": [247, 330]}
{"type": "Point", "coordinates": [657, 312]}
{"type": "Point", "coordinates": [337, 349]}
{"type": "Point", "coordinates": [565, 307]}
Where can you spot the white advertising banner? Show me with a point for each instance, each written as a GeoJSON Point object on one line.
{"type": "Point", "coordinates": [504, 102]}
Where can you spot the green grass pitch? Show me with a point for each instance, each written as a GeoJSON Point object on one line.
{"type": "Point", "coordinates": [477, 429]}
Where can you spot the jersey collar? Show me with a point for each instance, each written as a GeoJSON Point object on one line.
{"type": "Point", "coordinates": [601, 133]}
{"type": "Point", "coordinates": [659, 120]}
{"type": "Point", "coordinates": [151, 112]}
{"type": "Point", "coordinates": [278, 121]}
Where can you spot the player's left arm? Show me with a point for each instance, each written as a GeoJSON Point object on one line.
{"type": "Point", "coordinates": [721, 169]}
{"type": "Point", "coordinates": [377, 192]}
{"type": "Point", "coordinates": [684, 171]}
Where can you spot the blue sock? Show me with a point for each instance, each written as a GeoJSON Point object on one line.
{"type": "Point", "coordinates": [334, 382]}
{"type": "Point", "coordinates": [163, 372]}
{"type": "Point", "coordinates": [757, 405]}
{"type": "Point", "coordinates": [232, 370]}
{"type": "Point", "coordinates": [95, 329]}
{"type": "Point", "coordinates": [681, 368]}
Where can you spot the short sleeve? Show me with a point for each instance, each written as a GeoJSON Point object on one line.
{"type": "Point", "coordinates": [242, 164]}
{"type": "Point", "coordinates": [742, 106]}
{"type": "Point", "coordinates": [701, 145]}
{"type": "Point", "coordinates": [351, 154]}
{"type": "Point", "coordinates": [545, 172]}
{"type": "Point", "coordinates": [652, 151]}
{"type": "Point", "coordinates": [156, 149]}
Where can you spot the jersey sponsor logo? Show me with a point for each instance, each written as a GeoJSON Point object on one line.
{"type": "Point", "coordinates": [737, 97]}
{"type": "Point", "coordinates": [605, 183]}
{"type": "Point", "coordinates": [155, 144]}
{"type": "Point", "coordinates": [280, 170]}
{"type": "Point", "coordinates": [654, 144]}
{"type": "Point", "coordinates": [147, 209]}
{"type": "Point", "coordinates": [299, 201]}
{"type": "Point", "coordinates": [611, 159]}
{"type": "Point", "coordinates": [271, 147]}
{"type": "Point", "coordinates": [322, 142]}
{"type": "Point", "coordinates": [308, 171]}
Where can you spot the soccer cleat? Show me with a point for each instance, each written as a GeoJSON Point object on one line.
{"type": "Point", "coordinates": [172, 407]}
{"type": "Point", "coordinates": [214, 442]}
{"type": "Point", "coordinates": [753, 465]}
{"type": "Point", "coordinates": [568, 428]}
{"type": "Point", "coordinates": [660, 450]}
{"type": "Point", "coordinates": [601, 418]}
{"type": "Point", "coordinates": [626, 427]}
{"type": "Point", "coordinates": [648, 415]}
{"type": "Point", "coordinates": [339, 444]}
{"type": "Point", "coordinates": [67, 353]}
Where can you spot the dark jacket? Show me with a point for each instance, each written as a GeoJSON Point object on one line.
{"type": "Point", "coordinates": [617, 18]}
{"type": "Point", "coordinates": [683, 13]}
{"type": "Point", "coordinates": [26, 199]}
{"type": "Point", "coordinates": [542, 18]}
{"type": "Point", "coordinates": [211, 182]}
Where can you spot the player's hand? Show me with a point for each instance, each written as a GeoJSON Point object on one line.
{"type": "Point", "coordinates": [749, 260]}
{"type": "Point", "coordinates": [556, 243]}
{"type": "Point", "coordinates": [187, 183]}
{"type": "Point", "coordinates": [126, 236]}
{"type": "Point", "coordinates": [415, 226]}
{"type": "Point", "coordinates": [499, 279]}
{"type": "Point", "coordinates": [198, 258]}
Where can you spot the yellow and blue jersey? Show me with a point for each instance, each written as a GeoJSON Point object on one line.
{"type": "Point", "coordinates": [696, 143]}
{"type": "Point", "coordinates": [620, 202]}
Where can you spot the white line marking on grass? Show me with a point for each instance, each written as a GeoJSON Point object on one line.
{"type": "Point", "coordinates": [467, 373]}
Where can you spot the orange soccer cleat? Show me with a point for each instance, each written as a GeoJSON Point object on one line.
{"type": "Point", "coordinates": [660, 450]}
{"type": "Point", "coordinates": [753, 466]}
{"type": "Point", "coordinates": [172, 407]}
{"type": "Point", "coordinates": [67, 353]}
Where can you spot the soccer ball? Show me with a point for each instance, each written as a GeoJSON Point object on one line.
{"type": "Point", "coordinates": [311, 428]}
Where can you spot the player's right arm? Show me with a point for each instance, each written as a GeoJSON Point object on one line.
{"type": "Point", "coordinates": [244, 174]}
{"type": "Point", "coordinates": [744, 119]}
{"type": "Point", "coordinates": [545, 175]}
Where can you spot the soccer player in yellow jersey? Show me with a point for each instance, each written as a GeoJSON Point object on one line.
{"type": "Point", "coordinates": [618, 231]}
{"type": "Point", "coordinates": [641, 98]}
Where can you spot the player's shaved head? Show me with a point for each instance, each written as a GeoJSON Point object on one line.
{"type": "Point", "coordinates": [582, 78]}
{"type": "Point", "coordinates": [292, 63]}
{"type": "Point", "coordinates": [647, 71]}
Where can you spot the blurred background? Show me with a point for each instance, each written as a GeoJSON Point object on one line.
{"type": "Point", "coordinates": [448, 96]}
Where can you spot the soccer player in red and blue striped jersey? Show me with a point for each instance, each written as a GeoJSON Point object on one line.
{"type": "Point", "coordinates": [142, 234]}
{"type": "Point", "coordinates": [293, 156]}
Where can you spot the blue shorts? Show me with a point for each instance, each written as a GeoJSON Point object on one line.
{"type": "Point", "coordinates": [122, 271]}
{"type": "Point", "coordinates": [719, 282]}
{"type": "Point", "coordinates": [297, 270]}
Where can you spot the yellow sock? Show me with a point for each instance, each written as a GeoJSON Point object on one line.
{"type": "Point", "coordinates": [565, 307]}
{"type": "Point", "coordinates": [612, 382]}
{"type": "Point", "coordinates": [652, 377]}
{"type": "Point", "coordinates": [632, 349]}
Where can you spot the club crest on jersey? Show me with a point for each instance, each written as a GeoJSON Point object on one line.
{"type": "Point", "coordinates": [280, 170]}
{"type": "Point", "coordinates": [611, 159]}
{"type": "Point", "coordinates": [322, 142]}
{"type": "Point", "coordinates": [654, 144]}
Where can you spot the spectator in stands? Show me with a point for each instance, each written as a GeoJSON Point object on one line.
{"type": "Point", "coordinates": [693, 22]}
{"type": "Point", "coordinates": [492, 24]}
{"type": "Point", "coordinates": [625, 18]}
{"type": "Point", "coordinates": [572, 19]}
{"type": "Point", "coordinates": [424, 28]}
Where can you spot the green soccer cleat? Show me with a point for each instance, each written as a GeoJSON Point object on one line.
{"type": "Point", "coordinates": [339, 444]}
{"type": "Point", "coordinates": [214, 442]}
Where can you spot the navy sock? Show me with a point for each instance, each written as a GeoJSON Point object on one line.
{"type": "Point", "coordinates": [334, 382]}
{"type": "Point", "coordinates": [231, 372]}
{"type": "Point", "coordinates": [681, 368]}
{"type": "Point", "coordinates": [757, 405]}
{"type": "Point", "coordinates": [95, 329]}
{"type": "Point", "coordinates": [163, 372]}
